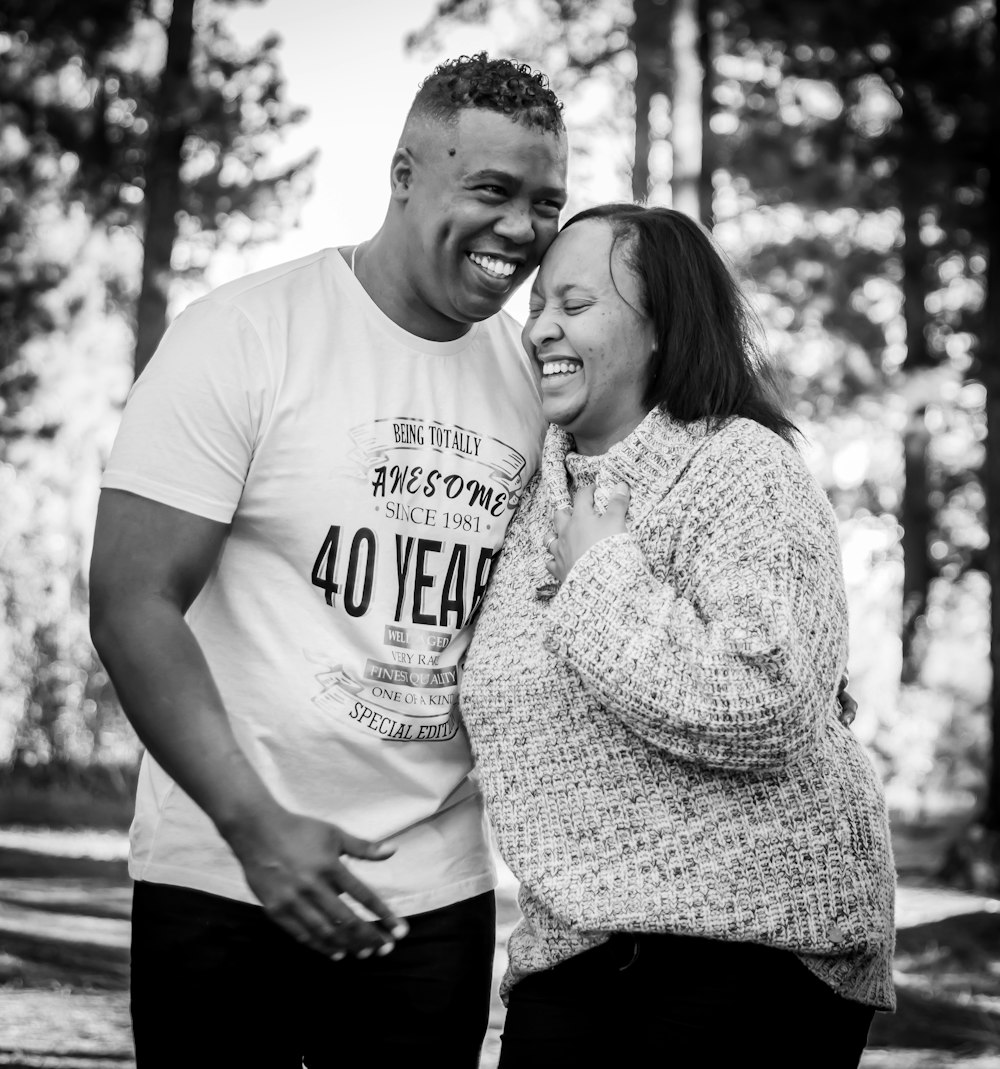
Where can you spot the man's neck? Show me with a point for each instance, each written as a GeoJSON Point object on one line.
{"type": "Point", "coordinates": [376, 265]}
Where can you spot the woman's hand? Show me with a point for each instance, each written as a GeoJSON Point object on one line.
{"type": "Point", "coordinates": [575, 530]}
{"type": "Point", "coordinates": [848, 706]}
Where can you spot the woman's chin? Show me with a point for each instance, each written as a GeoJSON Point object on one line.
{"type": "Point", "coordinates": [560, 412]}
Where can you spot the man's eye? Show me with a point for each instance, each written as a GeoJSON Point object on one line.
{"type": "Point", "coordinates": [493, 191]}
{"type": "Point", "coordinates": [533, 313]}
{"type": "Point", "coordinates": [548, 209]}
{"type": "Point", "coordinates": [575, 306]}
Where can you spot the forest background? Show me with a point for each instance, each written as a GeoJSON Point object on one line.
{"type": "Point", "coordinates": [843, 160]}
{"type": "Point", "coordinates": [844, 166]}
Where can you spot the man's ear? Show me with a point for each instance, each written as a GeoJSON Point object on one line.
{"type": "Point", "coordinates": [401, 173]}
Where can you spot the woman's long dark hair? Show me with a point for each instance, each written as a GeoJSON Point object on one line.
{"type": "Point", "coordinates": [709, 361]}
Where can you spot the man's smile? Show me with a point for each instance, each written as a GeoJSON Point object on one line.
{"type": "Point", "coordinates": [494, 266]}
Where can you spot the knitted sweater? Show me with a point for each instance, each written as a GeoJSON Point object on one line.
{"type": "Point", "coordinates": [658, 738]}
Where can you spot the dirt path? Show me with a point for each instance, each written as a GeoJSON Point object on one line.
{"type": "Point", "coordinates": [64, 929]}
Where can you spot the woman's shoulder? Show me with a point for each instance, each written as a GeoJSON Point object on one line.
{"type": "Point", "coordinates": [751, 434]}
{"type": "Point", "coordinates": [742, 452]}
{"type": "Point", "coordinates": [745, 443]}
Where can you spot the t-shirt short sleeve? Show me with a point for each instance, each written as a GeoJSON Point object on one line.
{"type": "Point", "coordinates": [193, 417]}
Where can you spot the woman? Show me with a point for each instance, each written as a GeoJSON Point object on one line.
{"type": "Point", "coordinates": [702, 846]}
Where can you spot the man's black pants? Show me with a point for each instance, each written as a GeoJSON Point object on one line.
{"type": "Point", "coordinates": [216, 983]}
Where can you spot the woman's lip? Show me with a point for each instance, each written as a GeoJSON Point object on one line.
{"type": "Point", "coordinates": [562, 379]}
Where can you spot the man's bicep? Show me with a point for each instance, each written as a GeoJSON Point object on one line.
{"type": "Point", "coordinates": [143, 547]}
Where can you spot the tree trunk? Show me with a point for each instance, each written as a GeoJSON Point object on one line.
{"type": "Point", "coordinates": [915, 511]}
{"type": "Point", "coordinates": [650, 34]}
{"type": "Point", "coordinates": [989, 355]}
{"type": "Point", "coordinates": [973, 857]}
{"type": "Point", "coordinates": [915, 520]}
{"type": "Point", "coordinates": [685, 107]}
{"type": "Point", "coordinates": [163, 182]}
{"type": "Point", "coordinates": [706, 56]}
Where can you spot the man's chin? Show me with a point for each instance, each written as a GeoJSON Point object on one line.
{"type": "Point", "coordinates": [476, 309]}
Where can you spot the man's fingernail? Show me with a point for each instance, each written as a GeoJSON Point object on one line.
{"type": "Point", "coordinates": [365, 952]}
{"type": "Point", "coordinates": [400, 929]}
{"type": "Point", "coordinates": [338, 955]}
{"type": "Point", "coordinates": [384, 949]}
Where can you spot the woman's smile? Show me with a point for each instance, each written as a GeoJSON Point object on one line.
{"type": "Point", "coordinates": [590, 339]}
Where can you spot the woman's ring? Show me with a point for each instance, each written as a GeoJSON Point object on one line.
{"type": "Point", "coordinates": [548, 543]}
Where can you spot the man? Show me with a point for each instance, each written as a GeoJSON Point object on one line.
{"type": "Point", "coordinates": [297, 523]}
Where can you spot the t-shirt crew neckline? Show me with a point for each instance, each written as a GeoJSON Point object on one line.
{"type": "Point", "coordinates": [404, 337]}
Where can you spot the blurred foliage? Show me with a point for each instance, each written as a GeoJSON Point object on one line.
{"type": "Point", "coordinates": [78, 115]}
{"type": "Point", "coordinates": [849, 189]}
{"type": "Point", "coordinates": [848, 157]}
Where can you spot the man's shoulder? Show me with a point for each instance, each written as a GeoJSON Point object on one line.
{"type": "Point", "coordinates": [257, 286]}
{"type": "Point", "coordinates": [502, 329]}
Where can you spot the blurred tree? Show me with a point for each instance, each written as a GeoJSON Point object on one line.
{"type": "Point", "coordinates": [933, 62]}
{"type": "Point", "coordinates": [118, 172]}
{"type": "Point", "coordinates": [670, 39]}
{"type": "Point", "coordinates": [174, 111]}
{"type": "Point", "coordinates": [41, 78]}
{"type": "Point", "coordinates": [654, 58]}
{"type": "Point", "coordinates": [213, 119]}
{"type": "Point", "coordinates": [848, 162]}
{"type": "Point", "coordinates": [989, 357]}
{"type": "Point", "coordinates": [159, 121]}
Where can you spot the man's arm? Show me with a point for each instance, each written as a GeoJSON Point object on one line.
{"type": "Point", "coordinates": [149, 563]}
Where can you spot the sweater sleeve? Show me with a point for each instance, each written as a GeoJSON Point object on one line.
{"type": "Point", "coordinates": [734, 660]}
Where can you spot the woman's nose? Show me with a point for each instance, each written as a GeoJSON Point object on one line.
{"type": "Point", "coordinates": [543, 327]}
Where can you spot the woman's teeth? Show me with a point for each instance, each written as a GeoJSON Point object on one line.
{"type": "Point", "coordinates": [493, 266]}
{"type": "Point", "coordinates": [559, 367]}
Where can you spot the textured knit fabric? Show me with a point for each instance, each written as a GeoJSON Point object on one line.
{"type": "Point", "coordinates": [658, 737]}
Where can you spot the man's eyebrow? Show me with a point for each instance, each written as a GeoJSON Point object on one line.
{"type": "Point", "coordinates": [556, 192]}
{"type": "Point", "coordinates": [488, 174]}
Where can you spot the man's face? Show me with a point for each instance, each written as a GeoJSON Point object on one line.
{"type": "Point", "coordinates": [481, 206]}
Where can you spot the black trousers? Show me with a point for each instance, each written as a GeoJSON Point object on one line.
{"type": "Point", "coordinates": [216, 983]}
{"type": "Point", "coordinates": [681, 1003]}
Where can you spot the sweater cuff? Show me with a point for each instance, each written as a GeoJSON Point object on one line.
{"type": "Point", "coordinates": [585, 612]}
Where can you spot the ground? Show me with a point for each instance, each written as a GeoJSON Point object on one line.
{"type": "Point", "coordinates": [64, 903]}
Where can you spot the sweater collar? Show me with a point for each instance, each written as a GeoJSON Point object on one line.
{"type": "Point", "coordinates": [650, 460]}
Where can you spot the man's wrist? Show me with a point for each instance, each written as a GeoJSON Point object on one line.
{"type": "Point", "coordinates": [242, 802]}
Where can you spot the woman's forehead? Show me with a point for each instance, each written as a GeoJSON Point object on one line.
{"type": "Point", "coordinates": [582, 252]}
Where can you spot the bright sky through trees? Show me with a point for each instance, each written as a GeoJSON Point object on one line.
{"type": "Point", "coordinates": [346, 63]}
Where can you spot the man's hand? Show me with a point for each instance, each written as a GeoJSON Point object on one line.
{"type": "Point", "coordinates": [148, 564]}
{"type": "Point", "coordinates": [575, 531]}
{"type": "Point", "coordinates": [293, 865]}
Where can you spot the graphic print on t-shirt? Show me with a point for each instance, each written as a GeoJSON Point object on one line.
{"type": "Point", "coordinates": [441, 498]}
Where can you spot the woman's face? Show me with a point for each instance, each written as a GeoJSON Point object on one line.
{"type": "Point", "coordinates": [590, 344]}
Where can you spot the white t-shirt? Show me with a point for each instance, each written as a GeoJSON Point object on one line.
{"type": "Point", "coordinates": [368, 476]}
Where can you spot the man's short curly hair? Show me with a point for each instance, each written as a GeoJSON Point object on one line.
{"type": "Point", "coordinates": [500, 85]}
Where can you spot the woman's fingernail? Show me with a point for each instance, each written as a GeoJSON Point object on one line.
{"type": "Point", "coordinates": [384, 949]}
{"type": "Point", "coordinates": [365, 952]}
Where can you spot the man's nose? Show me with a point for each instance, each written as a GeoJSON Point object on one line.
{"type": "Point", "coordinates": [515, 224]}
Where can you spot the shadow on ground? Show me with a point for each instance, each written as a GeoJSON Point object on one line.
{"type": "Point", "coordinates": [64, 929]}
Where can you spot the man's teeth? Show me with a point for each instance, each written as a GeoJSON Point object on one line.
{"type": "Point", "coordinates": [559, 367]}
{"type": "Point", "coordinates": [500, 268]}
